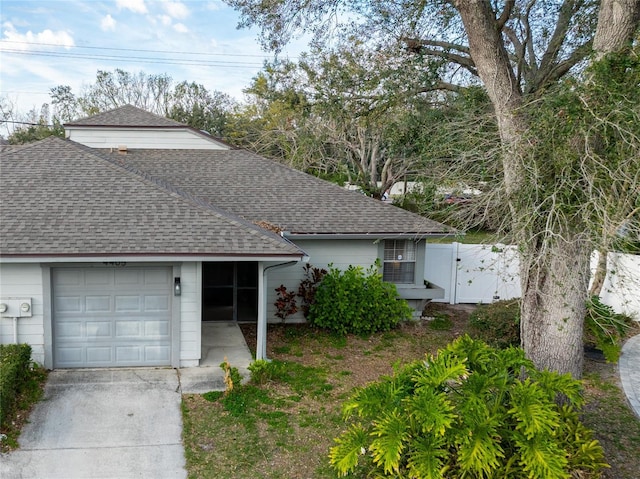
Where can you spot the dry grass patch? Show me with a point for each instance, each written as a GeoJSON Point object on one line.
{"type": "Point", "coordinates": [284, 427]}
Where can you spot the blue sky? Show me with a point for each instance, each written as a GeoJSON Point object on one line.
{"type": "Point", "coordinates": [64, 42]}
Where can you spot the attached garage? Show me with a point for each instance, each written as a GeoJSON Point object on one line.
{"type": "Point", "coordinates": [111, 316]}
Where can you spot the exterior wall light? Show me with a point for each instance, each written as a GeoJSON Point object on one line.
{"type": "Point", "coordinates": [177, 288]}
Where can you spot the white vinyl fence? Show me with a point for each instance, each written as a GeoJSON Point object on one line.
{"type": "Point", "coordinates": [475, 273]}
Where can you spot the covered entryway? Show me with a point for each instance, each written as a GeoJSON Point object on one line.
{"type": "Point", "coordinates": [230, 291]}
{"type": "Point", "coordinates": [109, 316]}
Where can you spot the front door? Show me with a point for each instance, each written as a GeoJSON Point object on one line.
{"type": "Point", "coordinates": [230, 291]}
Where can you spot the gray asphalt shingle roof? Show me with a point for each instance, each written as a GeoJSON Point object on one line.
{"type": "Point", "coordinates": [127, 115]}
{"type": "Point", "coordinates": [259, 189]}
{"type": "Point", "coordinates": [61, 198]}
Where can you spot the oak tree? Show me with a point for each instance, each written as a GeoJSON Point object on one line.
{"type": "Point", "coordinates": [518, 50]}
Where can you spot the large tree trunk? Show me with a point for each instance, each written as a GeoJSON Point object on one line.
{"type": "Point", "coordinates": [555, 278]}
{"type": "Point", "coordinates": [554, 274]}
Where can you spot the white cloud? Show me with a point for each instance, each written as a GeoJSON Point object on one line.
{"type": "Point", "coordinates": [176, 9]}
{"type": "Point", "coordinates": [215, 5]}
{"type": "Point", "coordinates": [20, 41]}
{"type": "Point", "coordinates": [108, 23]}
{"type": "Point", "coordinates": [165, 19]}
{"type": "Point", "coordinates": [136, 6]}
{"type": "Point", "coordinates": [180, 28]}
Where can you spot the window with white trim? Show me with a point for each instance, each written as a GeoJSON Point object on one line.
{"type": "Point", "coordinates": [399, 265]}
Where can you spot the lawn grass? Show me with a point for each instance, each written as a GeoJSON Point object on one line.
{"type": "Point", "coordinates": [32, 393]}
{"type": "Point", "coordinates": [284, 426]}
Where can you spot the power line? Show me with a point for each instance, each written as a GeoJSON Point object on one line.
{"type": "Point", "coordinates": [169, 61]}
{"type": "Point", "coordinates": [145, 50]}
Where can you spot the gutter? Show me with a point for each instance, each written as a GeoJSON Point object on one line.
{"type": "Point", "coordinates": [367, 236]}
{"type": "Point", "coordinates": [261, 340]}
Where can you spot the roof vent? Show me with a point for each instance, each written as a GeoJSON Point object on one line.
{"type": "Point", "coordinates": [122, 149]}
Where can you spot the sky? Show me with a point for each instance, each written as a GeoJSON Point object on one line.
{"type": "Point", "coordinates": [44, 44]}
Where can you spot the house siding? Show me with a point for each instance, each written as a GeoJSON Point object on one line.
{"type": "Point", "coordinates": [143, 138]}
{"type": "Point", "coordinates": [190, 314]}
{"type": "Point", "coordinates": [24, 281]}
{"type": "Point", "coordinates": [340, 253]}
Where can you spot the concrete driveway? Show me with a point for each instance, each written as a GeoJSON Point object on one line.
{"type": "Point", "coordinates": [103, 424]}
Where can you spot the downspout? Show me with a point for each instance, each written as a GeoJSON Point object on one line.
{"type": "Point", "coordinates": [261, 340]}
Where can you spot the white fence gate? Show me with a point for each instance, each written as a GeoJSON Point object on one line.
{"type": "Point", "coordinates": [473, 273]}
{"type": "Point", "coordinates": [476, 273]}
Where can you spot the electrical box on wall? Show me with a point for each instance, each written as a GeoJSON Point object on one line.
{"type": "Point", "coordinates": [15, 307]}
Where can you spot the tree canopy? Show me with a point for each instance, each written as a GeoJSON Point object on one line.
{"type": "Point", "coordinates": [558, 148]}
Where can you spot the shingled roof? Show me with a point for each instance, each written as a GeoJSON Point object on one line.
{"type": "Point", "coordinates": [127, 116]}
{"type": "Point", "coordinates": [61, 198]}
{"type": "Point", "coordinates": [261, 190]}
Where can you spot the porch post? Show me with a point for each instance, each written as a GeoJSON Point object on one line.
{"type": "Point", "coordinates": [261, 342]}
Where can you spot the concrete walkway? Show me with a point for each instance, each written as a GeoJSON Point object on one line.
{"type": "Point", "coordinates": [103, 424]}
{"type": "Point", "coordinates": [119, 423]}
{"type": "Point", "coordinates": [629, 367]}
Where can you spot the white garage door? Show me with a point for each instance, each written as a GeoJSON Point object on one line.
{"type": "Point", "coordinates": [112, 316]}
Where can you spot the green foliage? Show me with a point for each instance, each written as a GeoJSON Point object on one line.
{"type": "Point", "coordinates": [498, 323]}
{"type": "Point", "coordinates": [441, 322]}
{"type": "Point", "coordinates": [470, 411]}
{"type": "Point", "coordinates": [285, 303]}
{"type": "Point", "coordinates": [359, 302]}
{"type": "Point", "coordinates": [605, 328]}
{"type": "Point", "coordinates": [586, 153]}
{"type": "Point", "coordinates": [309, 286]}
{"type": "Point", "coordinates": [302, 379]}
{"type": "Point", "coordinates": [232, 376]}
{"type": "Point", "coordinates": [15, 366]}
{"type": "Point", "coordinates": [261, 371]}
{"type": "Point", "coordinates": [37, 132]}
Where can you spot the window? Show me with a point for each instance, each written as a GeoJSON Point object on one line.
{"type": "Point", "coordinates": [399, 261]}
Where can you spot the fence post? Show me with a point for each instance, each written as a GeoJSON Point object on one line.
{"type": "Point", "coordinates": [454, 274]}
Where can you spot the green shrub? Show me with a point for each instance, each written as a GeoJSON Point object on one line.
{"type": "Point", "coordinates": [471, 411]}
{"type": "Point", "coordinates": [261, 371]}
{"type": "Point", "coordinates": [605, 328]}
{"type": "Point", "coordinates": [498, 323]}
{"type": "Point", "coordinates": [15, 364]}
{"type": "Point", "coordinates": [309, 286]}
{"type": "Point", "coordinates": [359, 302]}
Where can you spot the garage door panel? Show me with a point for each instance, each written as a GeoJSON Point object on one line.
{"type": "Point", "coordinates": [127, 304]}
{"type": "Point", "coordinates": [126, 277]}
{"type": "Point", "coordinates": [156, 303]}
{"type": "Point", "coordinates": [157, 277]}
{"type": "Point", "coordinates": [128, 354]}
{"type": "Point", "coordinates": [98, 330]}
{"type": "Point", "coordinates": [157, 353]}
{"type": "Point", "coordinates": [157, 328]}
{"type": "Point", "coordinates": [69, 277]}
{"type": "Point", "coordinates": [98, 277]}
{"type": "Point", "coordinates": [97, 304]}
{"type": "Point", "coordinates": [68, 304]}
{"type": "Point", "coordinates": [70, 330]}
{"type": "Point", "coordinates": [129, 329]}
{"type": "Point", "coordinates": [100, 355]}
{"type": "Point", "coordinates": [106, 317]}
{"type": "Point", "coordinates": [71, 355]}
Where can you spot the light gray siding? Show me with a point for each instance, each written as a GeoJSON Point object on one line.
{"type": "Point", "coordinates": [24, 281]}
{"type": "Point", "coordinates": [340, 253]}
{"type": "Point", "coordinates": [190, 314]}
{"type": "Point", "coordinates": [132, 138]}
